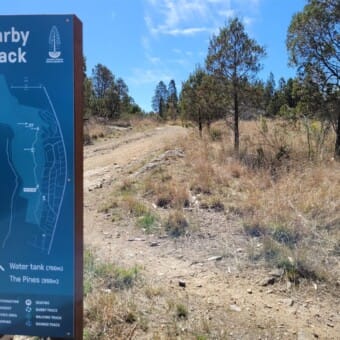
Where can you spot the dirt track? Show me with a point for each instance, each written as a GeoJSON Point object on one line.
{"type": "Point", "coordinates": [220, 289]}
{"type": "Point", "coordinates": [105, 157]}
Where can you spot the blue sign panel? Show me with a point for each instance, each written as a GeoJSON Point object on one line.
{"type": "Point", "coordinates": [37, 200]}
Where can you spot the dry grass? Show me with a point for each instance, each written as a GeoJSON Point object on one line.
{"type": "Point", "coordinates": [289, 205]}
{"type": "Point", "coordinates": [306, 198]}
{"type": "Point", "coordinates": [280, 194]}
{"type": "Point", "coordinates": [142, 310]}
{"type": "Point", "coordinates": [301, 212]}
{"type": "Point", "coordinates": [176, 225]}
{"type": "Point", "coordinates": [134, 206]}
{"type": "Point", "coordinates": [109, 316]}
{"type": "Point", "coordinates": [94, 130]}
{"type": "Point", "coordinates": [109, 309]}
{"type": "Point", "coordinates": [273, 136]}
{"type": "Point", "coordinates": [165, 190]}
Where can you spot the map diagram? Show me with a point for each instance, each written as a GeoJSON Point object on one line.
{"type": "Point", "coordinates": [33, 167]}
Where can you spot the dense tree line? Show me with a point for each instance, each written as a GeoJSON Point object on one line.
{"type": "Point", "coordinates": [107, 96]}
{"type": "Point", "coordinates": [227, 86]}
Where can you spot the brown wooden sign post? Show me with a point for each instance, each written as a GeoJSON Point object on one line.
{"type": "Point", "coordinates": [41, 157]}
{"type": "Point", "coordinates": [79, 240]}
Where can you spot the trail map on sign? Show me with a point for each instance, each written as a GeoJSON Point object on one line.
{"type": "Point", "coordinates": [33, 167]}
{"type": "Point", "coordinates": [41, 175]}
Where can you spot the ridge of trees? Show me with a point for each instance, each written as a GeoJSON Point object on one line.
{"type": "Point", "coordinates": [107, 96]}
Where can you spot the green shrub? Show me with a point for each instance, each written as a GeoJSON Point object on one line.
{"type": "Point", "coordinates": [125, 278]}
{"type": "Point", "coordinates": [181, 311]}
{"type": "Point", "coordinates": [147, 222]}
{"type": "Point", "coordinates": [89, 270]}
{"type": "Point", "coordinates": [97, 273]}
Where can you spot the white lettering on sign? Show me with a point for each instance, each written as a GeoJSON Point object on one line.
{"type": "Point", "coordinates": [30, 189]}
{"type": "Point", "coordinates": [13, 36]}
{"type": "Point", "coordinates": [18, 266]}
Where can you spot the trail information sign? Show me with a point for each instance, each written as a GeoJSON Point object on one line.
{"type": "Point", "coordinates": [41, 175]}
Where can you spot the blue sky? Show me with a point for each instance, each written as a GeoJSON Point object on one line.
{"type": "Point", "coordinates": [145, 41]}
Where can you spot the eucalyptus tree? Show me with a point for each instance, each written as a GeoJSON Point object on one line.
{"type": "Point", "coordinates": [313, 41]}
{"type": "Point", "coordinates": [109, 96]}
{"type": "Point", "coordinates": [102, 80]}
{"type": "Point", "coordinates": [103, 87]}
{"type": "Point", "coordinates": [202, 98]}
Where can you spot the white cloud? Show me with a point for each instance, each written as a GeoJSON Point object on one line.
{"type": "Point", "coordinates": [192, 17]}
{"type": "Point", "coordinates": [150, 25]}
{"type": "Point", "coordinates": [150, 76]}
{"type": "Point", "coordinates": [152, 2]}
{"type": "Point", "coordinates": [247, 20]}
{"type": "Point", "coordinates": [153, 60]}
{"type": "Point", "coordinates": [177, 50]}
{"type": "Point", "coordinates": [184, 31]}
{"type": "Point", "coordinates": [228, 13]}
{"type": "Point", "coordinates": [145, 43]}
{"type": "Point", "coordinates": [184, 18]}
{"type": "Point", "coordinates": [218, 1]}
{"type": "Point", "coordinates": [179, 61]}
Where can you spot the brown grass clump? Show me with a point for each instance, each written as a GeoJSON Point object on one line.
{"type": "Point", "coordinates": [176, 225]}
{"type": "Point", "coordinates": [110, 316]}
{"type": "Point", "coordinates": [134, 206]}
{"type": "Point", "coordinates": [300, 211]}
{"type": "Point", "coordinates": [166, 190]}
{"type": "Point", "coordinates": [198, 158]}
{"type": "Point", "coordinates": [277, 141]}
{"type": "Point", "coordinates": [172, 195]}
{"type": "Point", "coordinates": [143, 123]}
{"type": "Point", "coordinates": [139, 310]}
{"type": "Point", "coordinates": [94, 130]}
{"type": "Point", "coordinates": [109, 309]}
{"type": "Point", "coordinates": [307, 197]}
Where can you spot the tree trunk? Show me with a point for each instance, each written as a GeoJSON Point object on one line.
{"type": "Point", "coordinates": [337, 142]}
{"type": "Point", "coordinates": [208, 125]}
{"type": "Point", "coordinates": [236, 121]}
{"type": "Point", "coordinates": [200, 123]}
